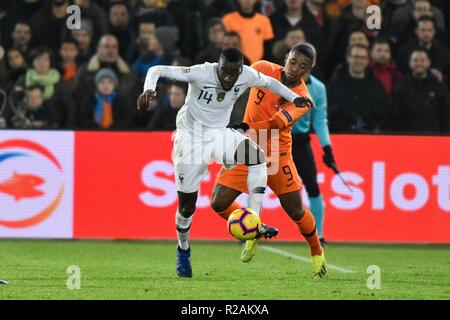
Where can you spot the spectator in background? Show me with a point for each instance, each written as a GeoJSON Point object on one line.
{"type": "Point", "coordinates": [106, 108]}
{"type": "Point", "coordinates": [357, 101]}
{"type": "Point", "coordinates": [216, 34]}
{"type": "Point", "coordinates": [56, 95]}
{"type": "Point", "coordinates": [93, 12]}
{"type": "Point", "coordinates": [16, 67]}
{"type": "Point", "coordinates": [161, 50]}
{"type": "Point", "coordinates": [107, 56]}
{"type": "Point", "coordinates": [437, 51]}
{"type": "Point", "coordinates": [358, 37]}
{"type": "Point", "coordinates": [154, 9]}
{"type": "Point", "coordinates": [353, 18]}
{"type": "Point", "coordinates": [183, 15]}
{"type": "Point", "coordinates": [21, 37]}
{"type": "Point", "coordinates": [233, 40]}
{"type": "Point", "coordinates": [209, 9]}
{"type": "Point", "coordinates": [420, 102]}
{"type": "Point", "coordinates": [83, 37]}
{"type": "Point", "coordinates": [254, 29]}
{"type": "Point", "coordinates": [68, 66]}
{"type": "Point", "coordinates": [334, 7]}
{"type": "Point", "coordinates": [404, 20]}
{"type": "Point", "coordinates": [295, 14]}
{"type": "Point", "coordinates": [49, 25]}
{"type": "Point", "coordinates": [139, 48]}
{"type": "Point", "coordinates": [165, 117]}
{"type": "Point", "coordinates": [119, 25]}
{"type": "Point", "coordinates": [34, 112]}
{"type": "Point", "coordinates": [282, 47]}
{"type": "Point", "coordinates": [383, 66]}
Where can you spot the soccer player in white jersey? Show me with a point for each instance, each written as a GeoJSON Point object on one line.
{"type": "Point", "coordinates": [202, 134]}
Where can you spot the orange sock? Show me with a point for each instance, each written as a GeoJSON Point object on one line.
{"type": "Point", "coordinates": [225, 214]}
{"type": "Point", "coordinates": [307, 227]}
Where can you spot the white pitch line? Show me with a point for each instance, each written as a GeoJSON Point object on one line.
{"type": "Point", "coordinates": [304, 259]}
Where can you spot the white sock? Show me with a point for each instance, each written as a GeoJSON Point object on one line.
{"type": "Point", "coordinates": [183, 226]}
{"type": "Point", "coordinates": [256, 184]}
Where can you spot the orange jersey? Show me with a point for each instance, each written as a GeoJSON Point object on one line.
{"type": "Point", "coordinates": [253, 32]}
{"type": "Point", "coordinates": [263, 105]}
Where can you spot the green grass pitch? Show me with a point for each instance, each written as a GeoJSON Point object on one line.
{"type": "Point", "coordinates": [146, 270]}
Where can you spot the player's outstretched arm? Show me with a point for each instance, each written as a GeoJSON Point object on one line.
{"type": "Point", "coordinates": [185, 74]}
{"type": "Point", "coordinates": [280, 89]}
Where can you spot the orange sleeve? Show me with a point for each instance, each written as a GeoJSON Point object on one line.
{"type": "Point", "coordinates": [284, 118]}
{"type": "Point", "coordinates": [267, 29]}
{"type": "Point", "coordinates": [264, 67]}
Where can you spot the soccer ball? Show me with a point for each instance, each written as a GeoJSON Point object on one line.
{"type": "Point", "coordinates": [244, 224]}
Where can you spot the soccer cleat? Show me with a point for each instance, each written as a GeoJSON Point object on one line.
{"type": "Point", "coordinates": [319, 267]}
{"type": "Point", "coordinates": [249, 250]}
{"type": "Point", "coordinates": [184, 269]}
{"type": "Point", "coordinates": [3, 281]}
{"type": "Point", "coordinates": [267, 232]}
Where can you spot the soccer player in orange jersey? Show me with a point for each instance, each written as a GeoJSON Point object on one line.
{"type": "Point", "coordinates": [267, 111]}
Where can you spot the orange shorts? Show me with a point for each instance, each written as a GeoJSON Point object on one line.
{"type": "Point", "coordinates": [285, 180]}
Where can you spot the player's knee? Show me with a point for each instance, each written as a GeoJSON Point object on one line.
{"type": "Point", "coordinates": [296, 213]}
{"type": "Point", "coordinates": [187, 209]}
{"type": "Point", "coordinates": [218, 205]}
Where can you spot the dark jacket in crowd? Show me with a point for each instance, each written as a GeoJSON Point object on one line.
{"type": "Point", "coordinates": [61, 104]}
{"type": "Point", "coordinates": [120, 112]}
{"type": "Point", "coordinates": [48, 30]}
{"type": "Point", "coordinates": [308, 23]}
{"type": "Point", "coordinates": [421, 105]}
{"type": "Point", "coordinates": [164, 119]}
{"type": "Point", "coordinates": [357, 105]}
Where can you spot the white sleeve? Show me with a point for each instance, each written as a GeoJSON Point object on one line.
{"type": "Point", "coordinates": [185, 74]}
{"type": "Point", "coordinates": [260, 80]}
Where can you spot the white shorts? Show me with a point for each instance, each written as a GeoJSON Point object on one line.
{"type": "Point", "coordinates": [192, 154]}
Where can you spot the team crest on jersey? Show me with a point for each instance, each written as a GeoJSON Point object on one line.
{"type": "Point", "coordinates": [236, 90]}
{"type": "Point", "coordinates": [220, 96]}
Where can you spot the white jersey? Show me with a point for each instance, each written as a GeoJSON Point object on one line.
{"type": "Point", "coordinates": [206, 102]}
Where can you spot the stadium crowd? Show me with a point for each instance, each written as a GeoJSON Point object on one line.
{"type": "Point", "coordinates": [395, 79]}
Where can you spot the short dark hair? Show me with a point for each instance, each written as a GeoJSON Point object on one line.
{"type": "Point", "coordinates": [420, 49]}
{"type": "Point", "coordinates": [34, 87]}
{"type": "Point", "coordinates": [426, 18]}
{"type": "Point", "coordinates": [380, 40]}
{"type": "Point", "coordinates": [39, 51]}
{"type": "Point", "coordinates": [25, 22]}
{"type": "Point", "coordinates": [118, 2]}
{"type": "Point", "coordinates": [307, 50]}
{"type": "Point", "coordinates": [215, 21]}
{"type": "Point", "coordinates": [69, 40]}
{"type": "Point", "coordinates": [232, 55]}
{"type": "Point", "coordinates": [360, 46]}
